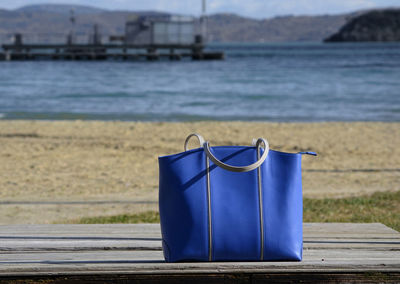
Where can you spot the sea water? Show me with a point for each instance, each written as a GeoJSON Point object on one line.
{"type": "Point", "coordinates": [255, 82]}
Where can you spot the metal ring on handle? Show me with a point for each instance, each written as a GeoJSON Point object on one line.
{"type": "Point", "coordinates": [201, 140]}
{"type": "Point", "coordinates": [240, 169]}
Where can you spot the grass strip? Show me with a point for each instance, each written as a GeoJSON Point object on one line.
{"type": "Point", "coordinates": [144, 217]}
{"type": "Point", "coordinates": [381, 207]}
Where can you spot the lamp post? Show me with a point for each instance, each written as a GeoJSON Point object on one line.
{"type": "Point", "coordinates": [71, 36]}
{"type": "Point", "coordinates": [203, 21]}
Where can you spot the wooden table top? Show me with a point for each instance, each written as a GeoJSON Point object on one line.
{"type": "Point", "coordinates": [133, 251]}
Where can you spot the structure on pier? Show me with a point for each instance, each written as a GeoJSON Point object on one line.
{"type": "Point", "coordinates": [160, 29]}
{"type": "Point", "coordinates": [149, 37]}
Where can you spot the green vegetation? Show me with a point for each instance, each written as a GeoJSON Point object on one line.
{"type": "Point", "coordinates": [145, 217]}
{"type": "Point", "coordinates": [382, 207]}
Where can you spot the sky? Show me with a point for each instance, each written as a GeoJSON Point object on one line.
{"type": "Point", "coordinates": [250, 8]}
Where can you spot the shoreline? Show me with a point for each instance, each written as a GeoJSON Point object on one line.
{"type": "Point", "coordinates": [3, 118]}
{"type": "Point", "coordinates": [43, 161]}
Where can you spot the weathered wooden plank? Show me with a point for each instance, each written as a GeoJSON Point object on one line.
{"type": "Point", "coordinates": [310, 229]}
{"type": "Point", "coordinates": [112, 250]}
{"type": "Point", "coordinates": [316, 229]}
{"type": "Point", "coordinates": [147, 236]}
{"type": "Point", "coordinates": [121, 278]}
{"type": "Point", "coordinates": [148, 262]}
{"type": "Point", "coordinates": [87, 243]}
{"type": "Point", "coordinates": [80, 229]}
{"type": "Point", "coordinates": [75, 245]}
{"type": "Point", "coordinates": [310, 256]}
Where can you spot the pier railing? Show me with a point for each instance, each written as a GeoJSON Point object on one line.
{"type": "Point", "coordinates": [49, 38]}
{"type": "Point", "coordinates": [53, 47]}
{"type": "Point", "coordinates": [50, 51]}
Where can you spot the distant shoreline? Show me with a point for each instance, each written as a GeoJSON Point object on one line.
{"type": "Point", "coordinates": [78, 118]}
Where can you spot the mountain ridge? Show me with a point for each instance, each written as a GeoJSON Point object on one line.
{"type": "Point", "coordinates": [61, 8]}
{"type": "Point", "coordinates": [222, 27]}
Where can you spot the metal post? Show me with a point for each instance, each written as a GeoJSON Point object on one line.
{"type": "Point", "coordinates": [8, 55]}
{"type": "Point", "coordinates": [203, 22]}
{"type": "Point", "coordinates": [151, 33]}
{"type": "Point", "coordinates": [71, 36]}
{"type": "Point", "coordinates": [96, 35]}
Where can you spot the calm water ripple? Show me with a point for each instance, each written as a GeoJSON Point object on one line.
{"type": "Point", "coordinates": [256, 82]}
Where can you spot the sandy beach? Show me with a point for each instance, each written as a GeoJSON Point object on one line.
{"type": "Point", "coordinates": [50, 170]}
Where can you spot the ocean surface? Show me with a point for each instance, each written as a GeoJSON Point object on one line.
{"type": "Point", "coordinates": [256, 82]}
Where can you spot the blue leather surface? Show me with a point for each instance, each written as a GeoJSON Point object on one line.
{"type": "Point", "coordinates": [283, 206]}
{"type": "Point", "coordinates": [183, 209]}
{"type": "Point", "coordinates": [234, 206]}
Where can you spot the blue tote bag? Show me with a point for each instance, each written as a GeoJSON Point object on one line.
{"type": "Point", "coordinates": [231, 203]}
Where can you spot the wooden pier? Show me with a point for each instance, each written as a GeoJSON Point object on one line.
{"type": "Point", "coordinates": [333, 253]}
{"type": "Point", "coordinates": [12, 52]}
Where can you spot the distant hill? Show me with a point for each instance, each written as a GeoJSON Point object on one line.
{"type": "Point", "coordinates": [51, 21]}
{"type": "Point", "coordinates": [383, 25]}
{"type": "Point", "coordinates": [60, 9]}
{"type": "Point", "coordinates": [234, 28]}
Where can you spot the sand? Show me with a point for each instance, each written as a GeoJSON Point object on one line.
{"type": "Point", "coordinates": [70, 161]}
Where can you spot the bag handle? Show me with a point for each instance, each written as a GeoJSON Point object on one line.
{"type": "Point", "coordinates": [238, 169]}
{"type": "Point", "coordinates": [198, 136]}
